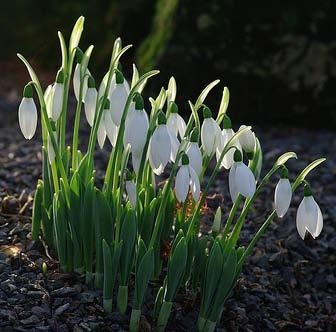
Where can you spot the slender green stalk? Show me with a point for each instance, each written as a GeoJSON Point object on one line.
{"type": "Point", "coordinates": [233, 212]}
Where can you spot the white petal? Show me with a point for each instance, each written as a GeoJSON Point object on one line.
{"type": "Point", "coordinates": [136, 163]}
{"type": "Point", "coordinates": [232, 182]}
{"type": "Point", "coordinates": [160, 149]}
{"type": "Point", "coordinates": [182, 183]}
{"type": "Point", "coordinates": [48, 98]}
{"type": "Point", "coordinates": [174, 146]}
{"type": "Point", "coordinates": [245, 180]}
{"type": "Point", "coordinates": [76, 82]}
{"type": "Point", "coordinates": [28, 117]}
{"type": "Point", "coordinates": [195, 157]}
{"type": "Point", "coordinates": [194, 184]}
{"type": "Point", "coordinates": [208, 136]}
{"type": "Point", "coordinates": [181, 126]}
{"type": "Point", "coordinates": [172, 123]}
{"type": "Point", "coordinates": [247, 139]}
{"type": "Point", "coordinates": [101, 134]}
{"type": "Point", "coordinates": [57, 101]}
{"type": "Point", "coordinates": [131, 192]}
{"type": "Point", "coordinates": [228, 161]}
{"type": "Point", "coordinates": [136, 129]}
{"type": "Point", "coordinates": [319, 224]}
{"type": "Point", "coordinates": [90, 105]}
{"type": "Point", "coordinates": [282, 197]}
{"type": "Point", "coordinates": [110, 128]}
{"type": "Point", "coordinates": [118, 100]}
{"type": "Point", "coordinates": [307, 216]}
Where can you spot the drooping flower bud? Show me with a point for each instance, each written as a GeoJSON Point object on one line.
{"type": "Point", "coordinates": [175, 122]}
{"type": "Point", "coordinates": [194, 152]}
{"type": "Point", "coordinates": [210, 133]}
{"type": "Point", "coordinates": [28, 113]}
{"type": "Point", "coordinates": [283, 194]}
{"type": "Point", "coordinates": [57, 96]}
{"type": "Point", "coordinates": [247, 141]}
{"type": "Point", "coordinates": [90, 101]}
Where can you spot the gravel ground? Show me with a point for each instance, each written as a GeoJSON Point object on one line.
{"type": "Point", "coordinates": [288, 284]}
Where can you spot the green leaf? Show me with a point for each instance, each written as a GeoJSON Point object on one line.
{"type": "Point", "coordinates": [143, 274]}
{"type": "Point", "coordinates": [217, 221]}
{"type": "Point", "coordinates": [135, 76]}
{"type": "Point", "coordinates": [306, 171]}
{"type": "Point", "coordinates": [176, 268]}
{"type": "Point", "coordinates": [32, 74]}
{"type": "Point", "coordinates": [256, 163]}
{"type": "Point", "coordinates": [63, 50]}
{"type": "Point", "coordinates": [204, 94]}
{"type": "Point", "coordinates": [76, 34]}
{"type": "Point", "coordinates": [37, 211]}
{"type": "Point", "coordinates": [171, 91]}
{"type": "Point", "coordinates": [223, 105]}
{"type": "Point", "coordinates": [283, 159]}
{"type": "Point", "coordinates": [85, 61]}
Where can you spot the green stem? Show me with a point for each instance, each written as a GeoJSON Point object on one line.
{"type": "Point", "coordinates": [75, 131]}
{"type": "Point", "coordinates": [135, 319]}
{"type": "Point", "coordinates": [231, 216]}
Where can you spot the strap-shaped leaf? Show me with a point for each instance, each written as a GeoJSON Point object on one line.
{"type": "Point", "coordinates": [171, 91]}
{"type": "Point", "coordinates": [306, 171]}
{"type": "Point", "coordinates": [85, 61]}
{"type": "Point", "coordinates": [135, 76]}
{"type": "Point", "coordinates": [223, 105]}
{"type": "Point", "coordinates": [76, 34]}
{"type": "Point", "coordinates": [63, 50]}
{"type": "Point", "coordinates": [204, 94]}
{"type": "Point", "coordinates": [37, 211]}
{"type": "Point", "coordinates": [256, 163]}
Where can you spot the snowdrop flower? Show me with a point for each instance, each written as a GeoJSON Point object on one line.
{"type": "Point", "coordinates": [241, 178]}
{"type": "Point", "coordinates": [210, 133]}
{"type": "Point", "coordinates": [309, 217]}
{"type": "Point", "coordinates": [131, 189]}
{"type": "Point", "coordinates": [283, 194]}
{"type": "Point", "coordinates": [90, 101]}
{"type": "Point", "coordinates": [175, 122]}
{"type": "Point", "coordinates": [48, 98]}
{"type": "Point", "coordinates": [110, 128]}
{"type": "Point", "coordinates": [77, 79]}
{"type": "Point", "coordinates": [136, 129]}
{"type": "Point", "coordinates": [57, 96]}
{"type": "Point", "coordinates": [194, 152]}
{"type": "Point", "coordinates": [226, 135]}
{"type": "Point", "coordinates": [247, 141]}
{"type": "Point", "coordinates": [160, 146]}
{"type": "Point", "coordinates": [101, 133]}
{"type": "Point", "coordinates": [186, 177]}
{"type": "Point", "coordinates": [28, 113]}
{"type": "Point", "coordinates": [118, 98]}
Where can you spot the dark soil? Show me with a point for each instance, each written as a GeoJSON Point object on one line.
{"type": "Point", "coordinates": [288, 284]}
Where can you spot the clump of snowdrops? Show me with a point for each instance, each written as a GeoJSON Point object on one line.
{"type": "Point", "coordinates": [131, 228]}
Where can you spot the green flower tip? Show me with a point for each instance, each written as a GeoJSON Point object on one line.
{"type": "Point", "coordinates": [139, 102]}
{"type": "Point", "coordinates": [161, 118]}
{"type": "Point", "coordinates": [107, 104]}
{"type": "Point", "coordinates": [194, 135]}
{"type": "Point", "coordinates": [119, 76]}
{"type": "Point", "coordinates": [307, 190]}
{"type": "Point", "coordinates": [173, 108]}
{"type": "Point", "coordinates": [79, 55]}
{"type": "Point", "coordinates": [28, 90]}
{"type": "Point", "coordinates": [284, 173]}
{"type": "Point", "coordinates": [206, 112]}
{"type": "Point", "coordinates": [52, 124]}
{"type": "Point", "coordinates": [227, 122]}
{"type": "Point", "coordinates": [60, 76]}
{"type": "Point", "coordinates": [237, 156]}
{"type": "Point", "coordinates": [250, 155]}
{"type": "Point", "coordinates": [91, 82]}
{"type": "Point", "coordinates": [185, 159]}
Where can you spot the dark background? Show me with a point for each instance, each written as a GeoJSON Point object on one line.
{"type": "Point", "coordinates": [278, 58]}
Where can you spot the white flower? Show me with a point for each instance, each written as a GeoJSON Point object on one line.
{"type": "Point", "coordinates": [210, 133]}
{"type": "Point", "coordinates": [118, 99]}
{"type": "Point", "coordinates": [282, 197]}
{"type": "Point", "coordinates": [160, 146]}
{"type": "Point", "coordinates": [90, 101]}
{"type": "Point", "coordinates": [110, 128]}
{"type": "Point", "coordinates": [195, 157]}
{"type": "Point", "coordinates": [131, 192]}
{"type": "Point", "coordinates": [136, 128]}
{"type": "Point", "coordinates": [57, 101]}
{"type": "Point", "coordinates": [101, 133]}
{"type": "Point", "coordinates": [226, 135]}
{"type": "Point", "coordinates": [175, 122]}
{"type": "Point", "coordinates": [28, 117]}
{"type": "Point", "coordinates": [76, 82]}
{"type": "Point", "coordinates": [247, 139]}
{"type": "Point", "coordinates": [186, 177]}
{"type": "Point", "coordinates": [102, 86]}
{"type": "Point", "coordinates": [309, 217]}
{"type": "Point", "coordinates": [241, 180]}
{"type": "Point", "coordinates": [48, 98]}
